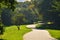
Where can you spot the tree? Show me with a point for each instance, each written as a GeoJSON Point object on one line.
{"type": "Point", "coordinates": [27, 8]}
{"type": "Point", "coordinates": [6, 16]}
{"type": "Point", "coordinates": [37, 8]}
{"type": "Point", "coordinates": [17, 18]}
{"type": "Point", "coordinates": [50, 9]}
{"type": "Point", "coordinates": [56, 9]}
{"type": "Point", "coordinates": [5, 4]}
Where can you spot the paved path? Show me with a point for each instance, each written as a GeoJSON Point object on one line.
{"type": "Point", "coordinates": [37, 34]}
{"type": "Point", "coordinates": [31, 26]}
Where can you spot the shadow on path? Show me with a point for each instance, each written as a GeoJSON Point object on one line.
{"type": "Point", "coordinates": [1, 39]}
{"type": "Point", "coordinates": [48, 27]}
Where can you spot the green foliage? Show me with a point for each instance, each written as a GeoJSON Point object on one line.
{"type": "Point", "coordinates": [38, 26]}
{"type": "Point", "coordinates": [56, 5]}
{"type": "Point", "coordinates": [37, 7]}
{"type": "Point", "coordinates": [50, 9]}
{"type": "Point", "coordinates": [30, 14]}
{"type": "Point", "coordinates": [6, 16]}
{"type": "Point", "coordinates": [8, 3]}
{"type": "Point", "coordinates": [18, 18]}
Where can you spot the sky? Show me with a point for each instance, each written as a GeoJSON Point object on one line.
{"type": "Point", "coordinates": [20, 0]}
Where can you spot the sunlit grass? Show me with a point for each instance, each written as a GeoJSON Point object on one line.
{"type": "Point", "coordinates": [12, 33]}
{"type": "Point", "coordinates": [55, 33]}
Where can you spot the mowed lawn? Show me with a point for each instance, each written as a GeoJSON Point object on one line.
{"type": "Point", "coordinates": [55, 33]}
{"type": "Point", "coordinates": [12, 33]}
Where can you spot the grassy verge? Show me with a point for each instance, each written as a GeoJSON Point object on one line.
{"type": "Point", "coordinates": [12, 33]}
{"type": "Point", "coordinates": [55, 33]}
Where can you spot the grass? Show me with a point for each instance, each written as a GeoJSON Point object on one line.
{"type": "Point", "coordinates": [12, 33]}
{"type": "Point", "coordinates": [53, 32]}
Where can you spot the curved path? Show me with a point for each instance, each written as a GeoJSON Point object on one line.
{"type": "Point", "coordinates": [37, 34]}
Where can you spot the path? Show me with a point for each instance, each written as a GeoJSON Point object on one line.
{"type": "Point", "coordinates": [37, 34]}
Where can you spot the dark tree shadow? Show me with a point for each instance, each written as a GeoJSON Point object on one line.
{"type": "Point", "coordinates": [6, 16]}
{"type": "Point", "coordinates": [2, 39]}
{"type": "Point", "coordinates": [53, 27]}
{"type": "Point", "coordinates": [58, 38]}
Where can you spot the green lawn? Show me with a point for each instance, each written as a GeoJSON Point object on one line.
{"type": "Point", "coordinates": [11, 33]}
{"type": "Point", "coordinates": [55, 33]}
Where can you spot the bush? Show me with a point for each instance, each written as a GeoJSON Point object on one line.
{"type": "Point", "coordinates": [38, 26]}
{"type": "Point", "coordinates": [41, 26]}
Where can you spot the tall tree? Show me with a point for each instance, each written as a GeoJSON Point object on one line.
{"type": "Point", "coordinates": [37, 8]}
{"type": "Point", "coordinates": [50, 9]}
{"type": "Point", "coordinates": [9, 4]}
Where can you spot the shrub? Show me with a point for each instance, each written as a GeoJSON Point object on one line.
{"type": "Point", "coordinates": [38, 26]}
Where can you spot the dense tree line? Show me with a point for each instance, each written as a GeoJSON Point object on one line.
{"type": "Point", "coordinates": [11, 12]}
{"type": "Point", "coordinates": [50, 9]}
{"type": "Point", "coordinates": [28, 10]}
